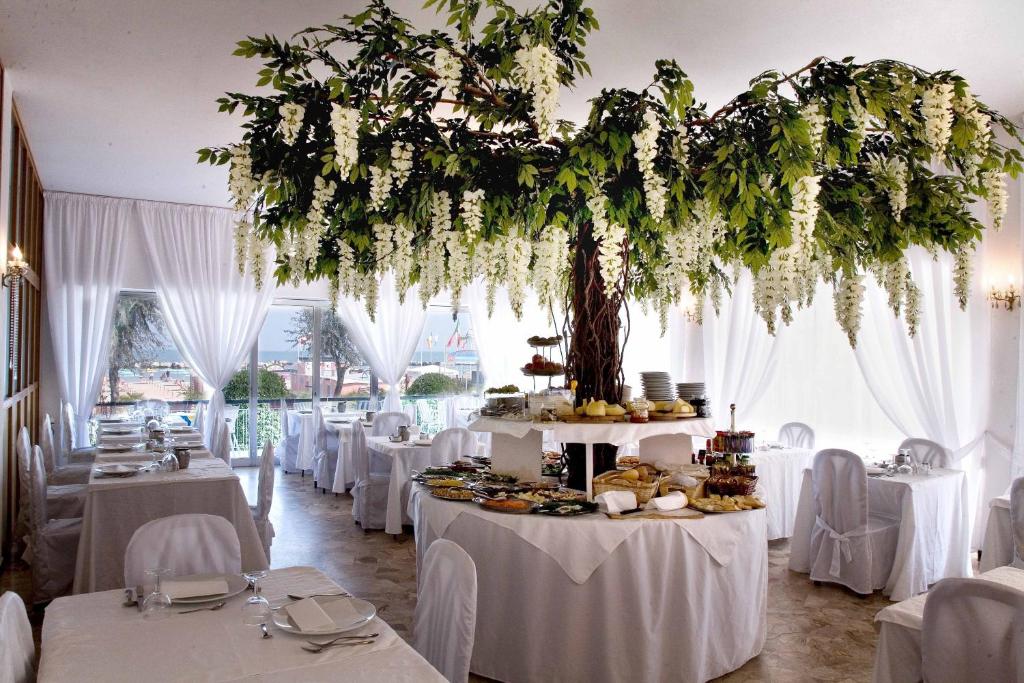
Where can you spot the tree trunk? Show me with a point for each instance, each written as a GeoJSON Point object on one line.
{"type": "Point", "coordinates": [340, 371]}
{"type": "Point", "coordinates": [594, 357]}
{"type": "Point", "coordinates": [113, 377]}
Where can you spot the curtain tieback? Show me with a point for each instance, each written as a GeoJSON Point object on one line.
{"type": "Point", "coordinates": [840, 544]}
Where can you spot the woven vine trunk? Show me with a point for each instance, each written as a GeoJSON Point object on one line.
{"type": "Point", "coordinates": [594, 357]}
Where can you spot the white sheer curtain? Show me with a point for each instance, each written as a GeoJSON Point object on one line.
{"type": "Point", "coordinates": [387, 342]}
{"type": "Point", "coordinates": [213, 314]}
{"type": "Point", "coordinates": [732, 353]}
{"type": "Point", "coordinates": [84, 240]}
{"type": "Point", "coordinates": [500, 338]}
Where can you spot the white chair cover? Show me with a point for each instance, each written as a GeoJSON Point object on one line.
{"type": "Point", "coordinates": [451, 444]}
{"type": "Point", "coordinates": [62, 502]}
{"type": "Point", "coordinates": [67, 474]}
{"type": "Point", "coordinates": [797, 435]}
{"type": "Point", "coordinates": [926, 451]}
{"type": "Point", "coordinates": [185, 544]}
{"type": "Point", "coordinates": [325, 461]}
{"type": "Point", "coordinates": [46, 443]}
{"type": "Point", "coordinates": [265, 496]}
{"type": "Point", "coordinates": [17, 649]}
{"type": "Point", "coordinates": [1017, 521]}
{"type": "Point", "coordinates": [973, 631]}
{"type": "Point", "coordinates": [848, 546]}
{"type": "Point", "coordinates": [386, 424]}
{"type": "Point", "coordinates": [223, 443]}
{"type": "Point", "coordinates": [200, 422]}
{"type": "Point", "coordinates": [370, 492]}
{"type": "Point", "coordinates": [54, 542]}
{"type": "Point", "coordinates": [444, 625]}
{"type": "Point", "coordinates": [67, 424]}
{"type": "Point", "coordinates": [282, 446]}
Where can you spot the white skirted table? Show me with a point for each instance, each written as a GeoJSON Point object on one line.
{"type": "Point", "coordinates": [780, 474]}
{"type": "Point", "coordinates": [302, 422]}
{"type": "Point", "coordinates": [516, 445]}
{"type": "Point", "coordinates": [593, 599]}
{"type": "Point", "coordinates": [997, 548]}
{"type": "Point", "coordinates": [93, 638]}
{"type": "Point", "coordinates": [400, 459]}
{"type": "Point", "coordinates": [935, 534]}
{"type": "Point", "coordinates": [898, 656]}
{"type": "Point", "coordinates": [116, 507]}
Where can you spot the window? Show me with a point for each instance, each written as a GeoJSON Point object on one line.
{"type": "Point", "coordinates": [445, 363]}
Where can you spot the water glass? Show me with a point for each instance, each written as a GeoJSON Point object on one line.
{"type": "Point", "coordinates": [157, 604]}
{"type": "Point", "coordinates": [256, 610]}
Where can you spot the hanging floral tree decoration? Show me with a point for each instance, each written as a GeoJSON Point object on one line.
{"type": "Point", "coordinates": [440, 156]}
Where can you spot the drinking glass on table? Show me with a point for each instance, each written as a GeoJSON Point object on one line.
{"type": "Point", "coordinates": [256, 610]}
{"type": "Point", "coordinates": [157, 604]}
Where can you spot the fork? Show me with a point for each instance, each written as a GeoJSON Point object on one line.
{"type": "Point", "coordinates": [342, 594]}
{"type": "Point", "coordinates": [319, 648]}
{"type": "Point", "coordinates": [211, 608]}
{"type": "Point", "coordinates": [339, 638]}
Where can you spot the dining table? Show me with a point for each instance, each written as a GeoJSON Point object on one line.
{"type": "Point", "coordinates": [94, 637]}
{"type": "Point", "coordinates": [934, 539]}
{"type": "Point", "coordinates": [997, 546]}
{"type": "Point", "coordinates": [116, 506]}
{"type": "Point", "coordinates": [400, 460]}
{"type": "Point", "coordinates": [780, 474]}
{"type": "Point", "coordinates": [594, 599]}
{"type": "Point", "coordinates": [303, 423]}
{"type": "Point", "coordinates": [898, 655]}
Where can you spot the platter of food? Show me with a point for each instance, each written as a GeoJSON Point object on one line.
{"type": "Point", "coordinates": [716, 503]}
{"type": "Point", "coordinates": [453, 493]}
{"type": "Point", "coordinates": [445, 482]}
{"type": "Point", "coordinates": [557, 508]}
{"type": "Point", "coordinates": [514, 506]}
{"type": "Point", "coordinates": [541, 497]}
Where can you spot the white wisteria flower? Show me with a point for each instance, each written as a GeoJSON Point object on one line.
{"type": "Point", "coordinates": [517, 270]}
{"type": "Point", "coordinates": [242, 228]}
{"type": "Point", "coordinates": [488, 259]}
{"type": "Point", "coordinates": [646, 143]}
{"type": "Point", "coordinates": [550, 263]}
{"type": "Point", "coordinates": [292, 114]}
{"type": "Point", "coordinates": [401, 256]}
{"type": "Point", "coordinates": [858, 114]}
{"type": "Point", "coordinates": [345, 126]}
{"type": "Point", "coordinates": [689, 249]}
{"type": "Point", "coordinates": [849, 295]}
{"type": "Point", "coordinates": [980, 125]}
{"type": "Point", "coordinates": [937, 111]}
{"type": "Point", "coordinates": [432, 262]}
{"type": "Point", "coordinates": [241, 183]}
{"type": "Point", "coordinates": [401, 163]}
{"type": "Point", "coordinates": [257, 260]}
{"type": "Point", "coordinates": [380, 187]}
{"type": "Point", "coordinates": [911, 305]}
{"type": "Point", "coordinates": [346, 274]}
{"type": "Point", "coordinates": [536, 71]}
{"type": "Point", "coordinates": [681, 146]}
{"type": "Point", "coordinates": [815, 118]}
{"type": "Point", "coordinates": [891, 173]}
{"type": "Point", "coordinates": [449, 69]}
{"type": "Point", "coordinates": [962, 276]}
{"type": "Point", "coordinates": [894, 281]}
{"type": "Point", "coordinates": [994, 183]}
{"type": "Point", "coordinates": [609, 237]}
{"type": "Point", "coordinates": [472, 212]}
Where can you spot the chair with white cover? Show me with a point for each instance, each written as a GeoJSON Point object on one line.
{"type": "Point", "coordinates": [849, 546]}
{"type": "Point", "coordinates": [53, 542]}
{"type": "Point", "coordinates": [282, 445]}
{"type": "Point", "coordinates": [200, 422]}
{"type": "Point", "coordinates": [386, 424]}
{"type": "Point", "coordinates": [264, 498]}
{"type": "Point", "coordinates": [451, 444]}
{"type": "Point", "coordinates": [63, 501]}
{"type": "Point", "coordinates": [68, 453]}
{"type": "Point", "coordinates": [17, 649]}
{"type": "Point", "coordinates": [926, 451]}
{"type": "Point", "coordinates": [370, 492]}
{"type": "Point", "coordinates": [68, 474]}
{"type": "Point", "coordinates": [220, 447]}
{"type": "Point", "coordinates": [1017, 521]}
{"type": "Point", "coordinates": [325, 462]}
{"type": "Point", "coordinates": [444, 625]}
{"type": "Point", "coordinates": [796, 435]}
{"type": "Point", "coordinates": [973, 630]}
{"type": "Point", "coordinates": [185, 544]}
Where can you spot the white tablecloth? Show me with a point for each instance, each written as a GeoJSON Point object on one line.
{"type": "Point", "coordinates": [617, 433]}
{"type": "Point", "coordinates": [997, 549]}
{"type": "Point", "coordinates": [934, 539]}
{"type": "Point", "coordinates": [780, 474]}
{"type": "Point", "coordinates": [116, 507]}
{"type": "Point", "coordinates": [593, 599]}
{"type": "Point", "coordinates": [303, 424]}
{"type": "Point", "coordinates": [400, 459]}
{"type": "Point", "coordinates": [898, 656]}
{"type": "Point", "coordinates": [93, 638]}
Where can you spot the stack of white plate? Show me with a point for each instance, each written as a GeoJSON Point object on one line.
{"type": "Point", "coordinates": [690, 390]}
{"type": "Point", "coordinates": [657, 386]}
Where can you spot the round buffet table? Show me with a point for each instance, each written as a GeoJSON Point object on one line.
{"type": "Point", "coordinates": [593, 599]}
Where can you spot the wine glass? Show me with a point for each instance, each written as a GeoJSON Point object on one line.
{"type": "Point", "coordinates": [157, 604]}
{"type": "Point", "coordinates": [256, 610]}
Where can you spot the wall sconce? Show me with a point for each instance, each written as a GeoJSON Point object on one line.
{"type": "Point", "coordinates": [691, 315]}
{"type": "Point", "coordinates": [16, 267]}
{"type": "Point", "coordinates": [1008, 296]}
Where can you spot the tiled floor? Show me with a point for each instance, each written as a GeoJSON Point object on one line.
{"type": "Point", "coordinates": [814, 633]}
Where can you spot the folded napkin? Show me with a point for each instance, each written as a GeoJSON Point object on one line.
{"type": "Point", "coordinates": [673, 501]}
{"type": "Point", "coordinates": [193, 439]}
{"type": "Point", "coordinates": [117, 468]}
{"type": "Point", "coordinates": [121, 439]}
{"type": "Point", "coordinates": [612, 502]}
{"type": "Point", "coordinates": [308, 615]}
{"type": "Point", "coordinates": [194, 588]}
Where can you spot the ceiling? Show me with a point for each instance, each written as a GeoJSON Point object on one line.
{"type": "Point", "coordinates": [116, 95]}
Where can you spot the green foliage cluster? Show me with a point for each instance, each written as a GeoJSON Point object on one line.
{"type": "Point", "coordinates": [433, 384]}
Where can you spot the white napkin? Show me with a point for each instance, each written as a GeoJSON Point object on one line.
{"type": "Point", "coordinates": [194, 588]}
{"type": "Point", "coordinates": [673, 501]}
{"type": "Point", "coordinates": [684, 480]}
{"type": "Point", "coordinates": [612, 502]}
{"type": "Point", "coordinates": [308, 615]}
{"type": "Point", "coordinates": [117, 468]}
{"type": "Point", "coordinates": [121, 439]}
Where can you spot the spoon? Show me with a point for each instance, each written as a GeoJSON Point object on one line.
{"type": "Point", "coordinates": [343, 594]}
{"type": "Point", "coordinates": [211, 608]}
{"type": "Point", "coordinates": [319, 648]}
